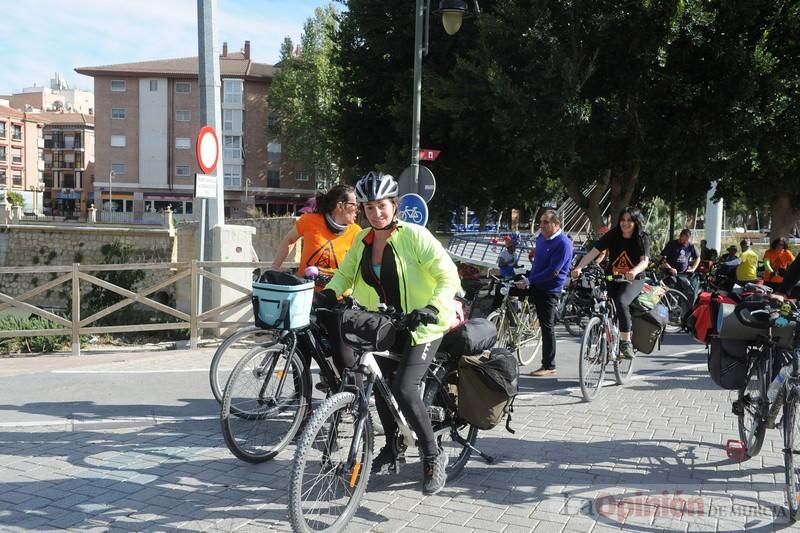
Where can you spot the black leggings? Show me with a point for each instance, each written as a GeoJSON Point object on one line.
{"type": "Point", "coordinates": [406, 387]}
{"type": "Point", "coordinates": [623, 295]}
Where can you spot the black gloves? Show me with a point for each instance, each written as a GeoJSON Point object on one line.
{"type": "Point", "coordinates": [325, 299]}
{"type": "Point", "coordinates": [423, 315]}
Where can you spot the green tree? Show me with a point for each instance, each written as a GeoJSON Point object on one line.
{"type": "Point", "coordinates": [15, 198]}
{"type": "Point", "coordinates": [303, 95]}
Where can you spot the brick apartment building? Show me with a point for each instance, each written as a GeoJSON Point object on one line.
{"type": "Point", "coordinates": [21, 163]}
{"type": "Point", "coordinates": [68, 162]}
{"type": "Point", "coordinates": [147, 119]}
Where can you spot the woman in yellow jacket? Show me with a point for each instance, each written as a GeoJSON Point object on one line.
{"type": "Point", "coordinates": [406, 267]}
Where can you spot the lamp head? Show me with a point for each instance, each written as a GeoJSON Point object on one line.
{"type": "Point", "coordinates": [453, 13]}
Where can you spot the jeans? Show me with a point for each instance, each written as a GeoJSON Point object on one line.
{"type": "Point", "coordinates": [546, 304]}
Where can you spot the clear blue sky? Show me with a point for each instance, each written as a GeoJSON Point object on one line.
{"type": "Point", "coordinates": [41, 37]}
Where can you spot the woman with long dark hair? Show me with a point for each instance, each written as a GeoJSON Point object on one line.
{"type": "Point", "coordinates": [628, 247]}
{"type": "Point", "coordinates": [328, 233]}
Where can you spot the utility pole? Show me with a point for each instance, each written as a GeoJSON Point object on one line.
{"type": "Point", "coordinates": [212, 212]}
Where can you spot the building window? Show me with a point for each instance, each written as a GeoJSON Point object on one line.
{"type": "Point", "coordinates": [183, 87]}
{"type": "Point", "coordinates": [273, 151]}
{"type": "Point", "coordinates": [183, 143]}
{"type": "Point", "coordinates": [118, 141]}
{"type": "Point", "coordinates": [3, 177]}
{"type": "Point", "coordinates": [2, 153]}
{"type": "Point", "coordinates": [2, 130]}
{"type": "Point", "coordinates": [232, 175]}
{"type": "Point", "coordinates": [232, 120]}
{"type": "Point", "coordinates": [153, 85]}
{"type": "Point", "coordinates": [16, 156]}
{"type": "Point", "coordinates": [119, 112]}
{"type": "Point", "coordinates": [119, 168]}
{"type": "Point", "coordinates": [233, 90]}
{"type": "Point", "coordinates": [118, 86]}
{"type": "Point", "coordinates": [183, 116]}
{"type": "Point", "coordinates": [16, 178]}
{"type": "Point", "coordinates": [16, 132]}
{"type": "Point", "coordinates": [273, 178]}
{"type": "Point", "coordinates": [182, 170]}
{"type": "Point", "coordinates": [301, 175]}
{"type": "Point", "coordinates": [232, 147]}
{"type": "Point", "coordinates": [273, 122]}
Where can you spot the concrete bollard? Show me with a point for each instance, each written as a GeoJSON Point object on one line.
{"type": "Point", "coordinates": [92, 215]}
{"type": "Point", "coordinates": [16, 213]}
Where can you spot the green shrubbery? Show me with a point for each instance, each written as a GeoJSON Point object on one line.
{"type": "Point", "coordinates": [47, 343]}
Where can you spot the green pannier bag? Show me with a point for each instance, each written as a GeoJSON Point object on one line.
{"type": "Point", "coordinates": [487, 385]}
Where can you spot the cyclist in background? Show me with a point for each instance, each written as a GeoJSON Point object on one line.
{"type": "Point", "coordinates": [627, 245]}
{"type": "Point", "coordinates": [681, 260]}
{"type": "Point", "coordinates": [328, 232]}
{"type": "Point", "coordinates": [747, 271]}
{"type": "Point", "coordinates": [506, 262]}
{"type": "Point", "coordinates": [404, 266]}
{"type": "Point", "coordinates": [776, 260]}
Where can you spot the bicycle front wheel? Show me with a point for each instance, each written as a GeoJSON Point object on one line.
{"type": "Point", "coordinates": [752, 409]}
{"type": "Point", "coordinates": [623, 370]}
{"type": "Point", "coordinates": [529, 337]}
{"type": "Point", "coordinates": [498, 318]}
{"type": "Point", "coordinates": [592, 363]}
{"type": "Point", "coordinates": [791, 453]}
{"type": "Point", "coordinates": [265, 401]}
{"type": "Point", "coordinates": [327, 483]}
{"type": "Point", "coordinates": [678, 307]}
{"type": "Point", "coordinates": [232, 349]}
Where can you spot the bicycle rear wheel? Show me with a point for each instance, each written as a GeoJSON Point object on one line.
{"type": "Point", "coordinates": [574, 317]}
{"type": "Point", "coordinates": [265, 401]}
{"type": "Point", "coordinates": [752, 407]}
{"type": "Point", "coordinates": [529, 337]}
{"type": "Point", "coordinates": [791, 453]}
{"type": "Point", "coordinates": [232, 349]}
{"type": "Point", "coordinates": [623, 370]}
{"type": "Point", "coordinates": [592, 363]}
{"type": "Point", "coordinates": [453, 434]}
{"type": "Point", "coordinates": [325, 489]}
{"type": "Point", "coordinates": [678, 307]}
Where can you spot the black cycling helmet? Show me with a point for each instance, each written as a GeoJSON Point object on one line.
{"type": "Point", "coordinates": [376, 186]}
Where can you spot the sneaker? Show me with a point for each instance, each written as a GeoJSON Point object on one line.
{"type": "Point", "coordinates": [543, 372]}
{"type": "Point", "coordinates": [386, 462]}
{"type": "Point", "coordinates": [434, 472]}
{"type": "Point", "coordinates": [625, 350]}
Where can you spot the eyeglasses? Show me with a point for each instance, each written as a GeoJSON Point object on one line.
{"type": "Point", "coordinates": [351, 203]}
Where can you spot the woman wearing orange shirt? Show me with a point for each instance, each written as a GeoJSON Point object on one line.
{"type": "Point", "coordinates": [776, 260]}
{"type": "Point", "coordinates": [327, 234]}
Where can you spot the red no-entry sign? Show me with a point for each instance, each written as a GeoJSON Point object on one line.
{"type": "Point", "coordinates": [207, 149]}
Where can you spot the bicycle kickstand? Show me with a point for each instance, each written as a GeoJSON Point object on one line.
{"type": "Point", "coordinates": [486, 457]}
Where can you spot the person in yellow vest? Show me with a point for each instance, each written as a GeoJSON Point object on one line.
{"type": "Point", "coordinates": [747, 271]}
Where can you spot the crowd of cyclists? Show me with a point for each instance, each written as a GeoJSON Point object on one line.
{"type": "Point", "coordinates": [402, 265]}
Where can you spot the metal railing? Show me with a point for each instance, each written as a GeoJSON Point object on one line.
{"type": "Point", "coordinates": [76, 325]}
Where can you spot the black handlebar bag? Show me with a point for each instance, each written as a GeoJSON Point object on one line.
{"type": "Point", "coordinates": [366, 330]}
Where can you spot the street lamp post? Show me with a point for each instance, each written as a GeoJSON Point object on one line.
{"type": "Point", "coordinates": [452, 13]}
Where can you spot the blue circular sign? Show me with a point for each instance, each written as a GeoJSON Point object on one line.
{"type": "Point", "coordinates": [413, 209]}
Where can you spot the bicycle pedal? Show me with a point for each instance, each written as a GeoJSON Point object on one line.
{"type": "Point", "coordinates": [738, 408]}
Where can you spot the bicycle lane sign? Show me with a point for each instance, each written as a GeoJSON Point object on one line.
{"type": "Point", "coordinates": [413, 209]}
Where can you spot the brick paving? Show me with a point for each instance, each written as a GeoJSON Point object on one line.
{"type": "Point", "coordinates": [649, 456]}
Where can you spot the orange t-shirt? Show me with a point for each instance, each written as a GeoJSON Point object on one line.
{"type": "Point", "coordinates": [777, 259]}
{"type": "Point", "coordinates": [321, 247]}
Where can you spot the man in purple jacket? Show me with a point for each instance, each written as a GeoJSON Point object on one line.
{"type": "Point", "coordinates": [544, 283]}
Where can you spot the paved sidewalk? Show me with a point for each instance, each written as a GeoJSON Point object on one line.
{"type": "Point", "coordinates": [645, 457]}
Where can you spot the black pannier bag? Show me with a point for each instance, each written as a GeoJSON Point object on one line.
{"type": "Point", "coordinates": [487, 385]}
{"type": "Point", "coordinates": [472, 337]}
{"type": "Point", "coordinates": [727, 362]}
{"type": "Point", "coordinates": [648, 327]}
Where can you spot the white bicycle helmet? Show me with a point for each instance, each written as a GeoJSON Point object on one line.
{"type": "Point", "coordinates": [376, 186]}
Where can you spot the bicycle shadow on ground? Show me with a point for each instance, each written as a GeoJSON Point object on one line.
{"type": "Point", "coordinates": [159, 477]}
{"type": "Point", "coordinates": [591, 479]}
